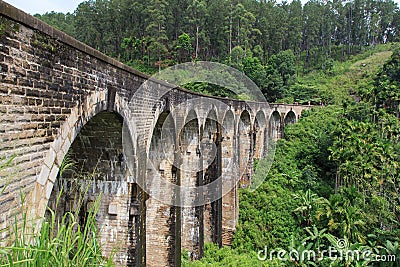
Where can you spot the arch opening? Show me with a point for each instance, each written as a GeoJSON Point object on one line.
{"type": "Point", "coordinates": [230, 200]}
{"type": "Point", "coordinates": [259, 135]}
{"type": "Point", "coordinates": [245, 148]}
{"type": "Point", "coordinates": [97, 166]}
{"type": "Point", "coordinates": [275, 128]}
{"type": "Point", "coordinates": [290, 118]}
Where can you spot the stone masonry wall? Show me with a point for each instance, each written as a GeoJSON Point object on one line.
{"type": "Point", "coordinates": [50, 87]}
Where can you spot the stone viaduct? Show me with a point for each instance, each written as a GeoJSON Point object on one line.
{"type": "Point", "coordinates": [62, 100]}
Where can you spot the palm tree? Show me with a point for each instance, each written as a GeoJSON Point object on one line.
{"type": "Point", "coordinates": [344, 216]}
{"type": "Point", "coordinates": [309, 200]}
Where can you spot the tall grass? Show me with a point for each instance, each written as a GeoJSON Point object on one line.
{"type": "Point", "coordinates": [55, 241]}
{"type": "Point", "coordinates": [4, 163]}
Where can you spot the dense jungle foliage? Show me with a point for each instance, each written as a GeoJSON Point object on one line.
{"type": "Point", "coordinates": [272, 43]}
{"type": "Point", "coordinates": [335, 179]}
{"type": "Point", "coordinates": [334, 183]}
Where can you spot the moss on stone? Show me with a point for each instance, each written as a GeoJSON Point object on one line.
{"type": "Point", "coordinates": [45, 42]}
{"type": "Point", "coordinates": [7, 26]}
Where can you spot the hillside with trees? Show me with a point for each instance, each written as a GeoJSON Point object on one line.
{"type": "Point", "coordinates": [272, 43]}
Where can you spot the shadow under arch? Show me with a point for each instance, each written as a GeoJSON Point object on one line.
{"type": "Point", "coordinates": [275, 126]}
{"type": "Point", "coordinates": [100, 169]}
{"type": "Point", "coordinates": [210, 146]}
{"type": "Point", "coordinates": [259, 135]}
{"type": "Point", "coordinates": [290, 118]}
{"type": "Point", "coordinates": [245, 148]}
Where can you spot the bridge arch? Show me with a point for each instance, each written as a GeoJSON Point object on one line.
{"type": "Point", "coordinates": [165, 115]}
{"type": "Point", "coordinates": [210, 135]}
{"type": "Point", "coordinates": [92, 136]}
{"type": "Point", "coordinates": [290, 118]}
{"type": "Point", "coordinates": [275, 126]}
{"type": "Point", "coordinates": [228, 155]}
{"type": "Point", "coordinates": [259, 131]}
{"type": "Point", "coordinates": [101, 167]}
{"type": "Point", "coordinates": [244, 145]}
{"type": "Point", "coordinates": [210, 114]}
{"type": "Point", "coordinates": [80, 115]}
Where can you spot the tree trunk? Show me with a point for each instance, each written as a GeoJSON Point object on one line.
{"type": "Point", "coordinates": [197, 40]}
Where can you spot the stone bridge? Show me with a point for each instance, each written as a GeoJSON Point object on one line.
{"type": "Point", "coordinates": [62, 101]}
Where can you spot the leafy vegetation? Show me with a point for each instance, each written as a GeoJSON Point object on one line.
{"type": "Point", "coordinates": [334, 181]}
{"type": "Point", "coordinates": [272, 43]}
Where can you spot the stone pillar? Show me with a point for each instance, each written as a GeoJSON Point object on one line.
{"type": "Point", "coordinates": [160, 224]}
